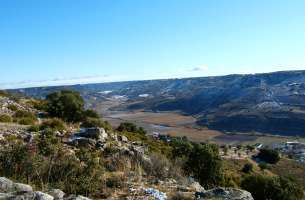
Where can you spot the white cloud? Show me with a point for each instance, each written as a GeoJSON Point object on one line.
{"type": "Point", "coordinates": [63, 81]}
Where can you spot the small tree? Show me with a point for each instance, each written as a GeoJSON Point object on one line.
{"type": "Point", "coordinates": [269, 155]}
{"type": "Point", "coordinates": [205, 165]}
{"type": "Point", "coordinates": [277, 188]}
{"type": "Point", "coordinates": [67, 105]}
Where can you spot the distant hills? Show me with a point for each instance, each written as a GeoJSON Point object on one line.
{"type": "Point", "coordinates": [268, 103]}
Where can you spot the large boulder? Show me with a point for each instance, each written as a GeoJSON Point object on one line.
{"type": "Point", "coordinates": [42, 196]}
{"type": "Point", "coordinates": [20, 187]}
{"type": "Point", "coordinates": [94, 133]}
{"type": "Point", "coordinates": [225, 194]}
{"type": "Point", "coordinates": [76, 197]}
{"type": "Point", "coordinates": [57, 194]}
{"type": "Point", "coordinates": [197, 187]}
{"type": "Point", "coordinates": [6, 185]}
{"type": "Point", "coordinates": [84, 142]}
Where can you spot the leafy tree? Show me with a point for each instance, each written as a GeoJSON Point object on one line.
{"type": "Point", "coordinates": [269, 155]}
{"type": "Point", "coordinates": [205, 165]}
{"type": "Point", "coordinates": [91, 114]}
{"type": "Point", "coordinates": [273, 188]}
{"type": "Point", "coordinates": [181, 148]}
{"type": "Point", "coordinates": [67, 105]}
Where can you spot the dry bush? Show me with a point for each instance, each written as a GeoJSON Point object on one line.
{"type": "Point", "coordinates": [181, 196]}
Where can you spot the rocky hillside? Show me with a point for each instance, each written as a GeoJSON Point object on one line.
{"type": "Point", "coordinates": [268, 103]}
{"type": "Point", "coordinates": [52, 159]}
{"type": "Point", "coordinates": [58, 149]}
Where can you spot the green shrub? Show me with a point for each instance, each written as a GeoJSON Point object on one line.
{"type": "Point", "coordinates": [205, 164]}
{"type": "Point", "coordinates": [33, 128]}
{"type": "Point", "coordinates": [38, 104]}
{"type": "Point", "coordinates": [25, 114]}
{"type": "Point", "coordinates": [53, 124]}
{"type": "Point", "coordinates": [248, 167]}
{"type": "Point", "coordinates": [91, 114]}
{"type": "Point", "coordinates": [51, 166]}
{"type": "Point", "coordinates": [67, 105]}
{"type": "Point", "coordinates": [26, 121]}
{"type": "Point", "coordinates": [275, 188]}
{"type": "Point", "coordinates": [181, 148]}
{"type": "Point", "coordinates": [116, 181]}
{"type": "Point", "coordinates": [130, 127]}
{"type": "Point", "coordinates": [269, 155]}
{"type": "Point", "coordinates": [5, 118]}
{"type": "Point", "coordinates": [3, 93]}
{"type": "Point", "coordinates": [12, 107]}
{"type": "Point", "coordinates": [263, 166]}
{"type": "Point", "coordinates": [92, 122]}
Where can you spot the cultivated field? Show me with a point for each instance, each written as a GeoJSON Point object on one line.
{"type": "Point", "coordinates": [176, 124]}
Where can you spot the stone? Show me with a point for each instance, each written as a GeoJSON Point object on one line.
{"type": "Point", "coordinates": [94, 133]}
{"type": "Point", "coordinates": [76, 197]}
{"type": "Point", "coordinates": [6, 185]}
{"type": "Point", "coordinates": [20, 187]}
{"type": "Point", "coordinates": [84, 142]}
{"type": "Point", "coordinates": [123, 138]}
{"type": "Point", "coordinates": [57, 194]}
{"type": "Point", "coordinates": [156, 194]}
{"type": "Point", "coordinates": [197, 187]}
{"type": "Point", "coordinates": [225, 193]}
{"type": "Point", "coordinates": [80, 197]}
{"type": "Point", "coordinates": [23, 196]}
{"type": "Point", "coordinates": [42, 196]}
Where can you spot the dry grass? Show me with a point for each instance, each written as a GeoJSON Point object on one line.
{"type": "Point", "coordinates": [291, 168]}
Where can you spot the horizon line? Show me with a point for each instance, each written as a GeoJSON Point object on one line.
{"type": "Point", "coordinates": [121, 81]}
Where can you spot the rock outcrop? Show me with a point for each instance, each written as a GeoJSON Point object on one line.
{"type": "Point", "coordinates": [224, 194]}
{"type": "Point", "coordinates": [19, 191]}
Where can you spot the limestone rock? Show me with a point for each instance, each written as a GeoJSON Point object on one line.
{"type": "Point", "coordinates": [225, 194]}
{"type": "Point", "coordinates": [197, 187]}
{"type": "Point", "coordinates": [6, 185]}
{"type": "Point", "coordinates": [20, 187]}
{"type": "Point", "coordinates": [57, 194]}
{"type": "Point", "coordinates": [123, 138]}
{"type": "Point", "coordinates": [42, 196]}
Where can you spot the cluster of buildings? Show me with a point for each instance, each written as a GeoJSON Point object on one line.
{"type": "Point", "coordinates": [295, 150]}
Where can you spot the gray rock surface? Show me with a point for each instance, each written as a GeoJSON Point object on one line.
{"type": "Point", "coordinates": [6, 185]}
{"type": "Point", "coordinates": [20, 187]}
{"type": "Point", "coordinates": [57, 194]}
{"type": "Point", "coordinates": [18, 191]}
{"type": "Point", "coordinates": [42, 196]}
{"type": "Point", "coordinates": [225, 194]}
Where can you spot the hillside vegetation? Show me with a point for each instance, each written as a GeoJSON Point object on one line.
{"type": "Point", "coordinates": [68, 147]}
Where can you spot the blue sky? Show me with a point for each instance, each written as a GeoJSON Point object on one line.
{"type": "Point", "coordinates": [53, 42]}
